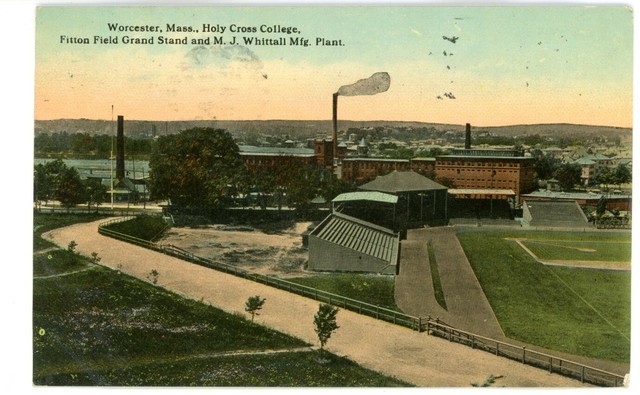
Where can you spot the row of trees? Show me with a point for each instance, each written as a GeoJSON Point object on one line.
{"type": "Point", "coordinates": [202, 167]}
{"type": "Point", "coordinates": [55, 181]}
{"type": "Point", "coordinates": [570, 174]}
{"type": "Point", "coordinates": [82, 144]}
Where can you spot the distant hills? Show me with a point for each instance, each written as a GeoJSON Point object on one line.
{"type": "Point", "coordinates": [314, 128]}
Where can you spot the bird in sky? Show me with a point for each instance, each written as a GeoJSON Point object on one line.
{"type": "Point", "coordinates": [452, 39]}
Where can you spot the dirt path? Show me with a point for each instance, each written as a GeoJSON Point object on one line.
{"type": "Point", "coordinates": [607, 265]}
{"type": "Point", "coordinates": [417, 358]}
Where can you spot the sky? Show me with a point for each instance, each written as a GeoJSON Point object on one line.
{"type": "Point", "coordinates": [506, 64]}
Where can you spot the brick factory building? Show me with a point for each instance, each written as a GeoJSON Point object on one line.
{"type": "Point", "coordinates": [479, 174]}
{"type": "Point", "coordinates": [475, 173]}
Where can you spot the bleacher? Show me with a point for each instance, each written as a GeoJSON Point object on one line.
{"type": "Point", "coordinates": [553, 213]}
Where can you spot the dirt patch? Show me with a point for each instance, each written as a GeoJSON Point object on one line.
{"type": "Point", "coordinates": [271, 253]}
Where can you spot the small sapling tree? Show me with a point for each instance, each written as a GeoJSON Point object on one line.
{"type": "Point", "coordinates": [153, 276]}
{"type": "Point", "coordinates": [325, 323]}
{"type": "Point", "coordinates": [253, 305]}
{"type": "Point", "coordinates": [71, 247]}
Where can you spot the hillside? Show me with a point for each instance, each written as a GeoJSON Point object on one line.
{"type": "Point", "coordinates": [313, 128]}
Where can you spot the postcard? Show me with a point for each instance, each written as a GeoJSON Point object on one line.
{"type": "Point", "coordinates": [332, 196]}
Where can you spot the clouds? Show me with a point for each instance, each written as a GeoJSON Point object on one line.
{"type": "Point", "coordinates": [223, 56]}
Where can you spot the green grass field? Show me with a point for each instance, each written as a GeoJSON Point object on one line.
{"type": "Point", "coordinates": [580, 311]}
{"type": "Point", "coordinates": [45, 222]}
{"type": "Point", "coordinates": [578, 250]}
{"type": "Point", "coordinates": [369, 288]}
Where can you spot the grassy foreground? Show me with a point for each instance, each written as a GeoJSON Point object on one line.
{"type": "Point", "coordinates": [580, 311]}
{"type": "Point", "coordinates": [95, 326]}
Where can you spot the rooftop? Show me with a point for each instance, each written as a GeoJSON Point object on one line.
{"type": "Point", "coordinates": [250, 149]}
{"type": "Point", "coordinates": [359, 235]}
{"type": "Point", "coordinates": [370, 196]}
{"type": "Point", "coordinates": [402, 181]}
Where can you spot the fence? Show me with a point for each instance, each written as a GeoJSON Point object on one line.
{"type": "Point", "coordinates": [431, 326]}
{"type": "Point", "coordinates": [553, 364]}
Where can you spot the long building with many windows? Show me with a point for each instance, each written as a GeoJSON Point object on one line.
{"type": "Point", "coordinates": [486, 170]}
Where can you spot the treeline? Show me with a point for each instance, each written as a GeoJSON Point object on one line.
{"type": "Point", "coordinates": [86, 145]}
{"type": "Point", "coordinates": [55, 181]}
{"type": "Point", "coordinates": [202, 168]}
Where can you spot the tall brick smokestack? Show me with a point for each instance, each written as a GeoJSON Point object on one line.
{"type": "Point", "coordinates": [120, 149]}
{"type": "Point", "coordinates": [467, 137]}
{"type": "Point", "coordinates": [335, 125]}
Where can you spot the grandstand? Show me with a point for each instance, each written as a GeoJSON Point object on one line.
{"type": "Point", "coordinates": [553, 213]}
{"type": "Point", "coordinates": [344, 243]}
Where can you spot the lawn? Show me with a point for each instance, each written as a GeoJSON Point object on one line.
{"type": "Point", "coordinates": [46, 222]}
{"type": "Point", "coordinates": [99, 327]}
{"type": "Point", "coordinates": [578, 250]}
{"type": "Point", "coordinates": [291, 369]}
{"type": "Point", "coordinates": [369, 288]}
{"type": "Point", "coordinates": [57, 262]}
{"type": "Point", "coordinates": [579, 311]}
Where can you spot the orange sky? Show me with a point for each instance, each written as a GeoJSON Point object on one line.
{"type": "Point", "coordinates": [550, 66]}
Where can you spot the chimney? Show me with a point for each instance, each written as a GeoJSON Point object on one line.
{"type": "Point", "coordinates": [120, 149]}
{"type": "Point", "coordinates": [467, 138]}
{"type": "Point", "coordinates": [335, 125]}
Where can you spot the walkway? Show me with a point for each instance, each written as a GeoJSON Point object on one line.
{"type": "Point", "coordinates": [418, 358]}
{"type": "Point", "coordinates": [467, 306]}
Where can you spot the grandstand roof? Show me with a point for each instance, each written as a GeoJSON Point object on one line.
{"type": "Point", "coordinates": [359, 235]}
{"type": "Point", "coordinates": [370, 196]}
{"type": "Point", "coordinates": [402, 181]}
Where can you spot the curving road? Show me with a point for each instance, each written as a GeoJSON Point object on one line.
{"type": "Point", "coordinates": [417, 358]}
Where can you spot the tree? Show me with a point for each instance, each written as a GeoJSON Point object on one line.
{"type": "Point", "coordinates": [42, 185]}
{"type": "Point", "coordinates": [325, 323]}
{"type": "Point", "coordinates": [568, 175]}
{"type": "Point", "coordinates": [606, 177]}
{"type": "Point", "coordinates": [95, 192]}
{"type": "Point", "coordinates": [545, 166]}
{"type": "Point", "coordinates": [195, 168]}
{"type": "Point", "coordinates": [253, 305]}
{"type": "Point", "coordinates": [69, 190]}
{"type": "Point", "coordinates": [622, 174]}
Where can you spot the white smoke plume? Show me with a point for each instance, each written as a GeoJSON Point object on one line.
{"type": "Point", "coordinates": [377, 83]}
